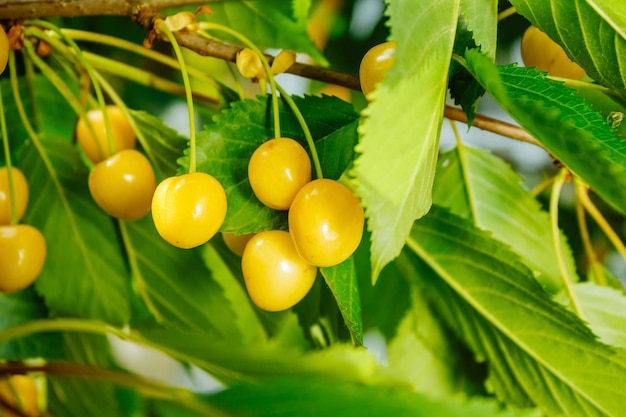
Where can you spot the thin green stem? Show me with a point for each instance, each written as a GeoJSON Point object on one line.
{"type": "Point", "coordinates": [598, 275]}
{"type": "Point", "coordinates": [236, 80]}
{"type": "Point", "coordinates": [87, 66]}
{"type": "Point", "coordinates": [81, 35]}
{"type": "Point", "coordinates": [104, 329]}
{"type": "Point", "coordinates": [42, 152]}
{"type": "Point", "coordinates": [542, 187]}
{"type": "Point", "coordinates": [183, 70]}
{"type": "Point", "coordinates": [140, 283]}
{"type": "Point", "coordinates": [7, 157]}
{"type": "Point", "coordinates": [65, 92]}
{"type": "Point", "coordinates": [506, 13]}
{"type": "Point", "coordinates": [556, 241]}
{"type": "Point", "coordinates": [117, 100]}
{"type": "Point", "coordinates": [266, 65]}
{"type": "Point", "coordinates": [29, 73]}
{"type": "Point", "coordinates": [305, 129]}
{"type": "Point", "coordinates": [142, 77]}
{"type": "Point", "coordinates": [603, 223]}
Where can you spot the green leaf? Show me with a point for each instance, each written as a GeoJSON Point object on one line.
{"type": "Point", "coordinates": [481, 19]}
{"type": "Point", "coordinates": [232, 362]}
{"type": "Point", "coordinates": [422, 350]}
{"type": "Point", "coordinates": [303, 397]}
{"type": "Point", "coordinates": [604, 309]}
{"type": "Point", "coordinates": [246, 318]}
{"type": "Point", "coordinates": [612, 13]}
{"type": "Point", "coordinates": [400, 129]}
{"type": "Point", "coordinates": [537, 352]}
{"type": "Point", "coordinates": [163, 145]}
{"type": "Point", "coordinates": [225, 147]}
{"type": "Point", "coordinates": [269, 24]}
{"type": "Point", "coordinates": [74, 397]}
{"type": "Point", "coordinates": [564, 123]}
{"type": "Point", "coordinates": [20, 308]}
{"type": "Point", "coordinates": [84, 274]}
{"type": "Point", "coordinates": [477, 185]}
{"type": "Point", "coordinates": [175, 284]}
{"type": "Point", "coordinates": [343, 283]}
{"type": "Point", "coordinates": [586, 32]}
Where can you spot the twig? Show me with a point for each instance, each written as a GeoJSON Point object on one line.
{"type": "Point", "coordinates": [144, 12]}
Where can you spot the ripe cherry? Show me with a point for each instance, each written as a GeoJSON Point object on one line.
{"type": "Point", "coordinates": [98, 148]}
{"type": "Point", "coordinates": [277, 170]}
{"type": "Point", "coordinates": [123, 185]}
{"type": "Point", "coordinates": [22, 256]}
{"type": "Point", "coordinates": [326, 222]}
{"type": "Point", "coordinates": [189, 209]}
{"type": "Point", "coordinates": [20, 392]}
{"type": "Point", "coordinates": [375, 63]}
{"type": "Point", "coordinates": [20, 190]}
{"type": "Point", "coordinates": [4, 49]}
{"type": "Point", "coordinates": [539, 51]}
{"type": "Point", "coordinates": [276, 277]}
{"type": "Point", "coordinates": [237, 243]}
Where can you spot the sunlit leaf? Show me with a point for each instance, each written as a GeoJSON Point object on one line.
{"type": "Point", "coordinates": [605, 310]}
{"type": "Point", "coordinates": [475, 184]}
{"type": "Point", "coordinates": [564, 123]}
{"type": "Point", "coordinates": [400, 130]}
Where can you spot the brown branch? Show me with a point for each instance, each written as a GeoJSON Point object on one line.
{"type": "Point", "coordinates": [144, 12]}
{"type": "Point", "coordinates": [29, 9]}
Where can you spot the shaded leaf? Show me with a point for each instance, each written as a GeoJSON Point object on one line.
{"type": "Point", "coordinates": [561, 121]}
{"type": "Point", "coordinates": [537, 352]}
{"type": "Point", "coordinates": [20, 308]}
{"type": "Point", "coordinates": [401, 126]}
{"type": "Point", "coordinates": [343, 283]}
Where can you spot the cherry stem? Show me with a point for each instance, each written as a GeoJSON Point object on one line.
{"type": "Point", "coordinates": [261, 55]}
{"type": "Point", "coordinates": [305, 128]}
{"type": "Point", "coordinates": [64, 90]}
{"type": "Point", "coordinates": [188, 94]}
{"type": "Point", "coordinates": [601, 221]}
{"type": "Point", "coordinates": [81, 35]}
{"type": "Point", "coordinates": [598, 275]}
{"type": "Point", "coordinates": [90, 72]}
{"type": "Point", "coordinates": [556, 240]}
{"type": "Point", "coordinates": [7, 157]}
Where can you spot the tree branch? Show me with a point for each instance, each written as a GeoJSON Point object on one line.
{"type": "Point", "coordinates": [144, 11]}
{"type": "Point", "coordinates": [29, 9]}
